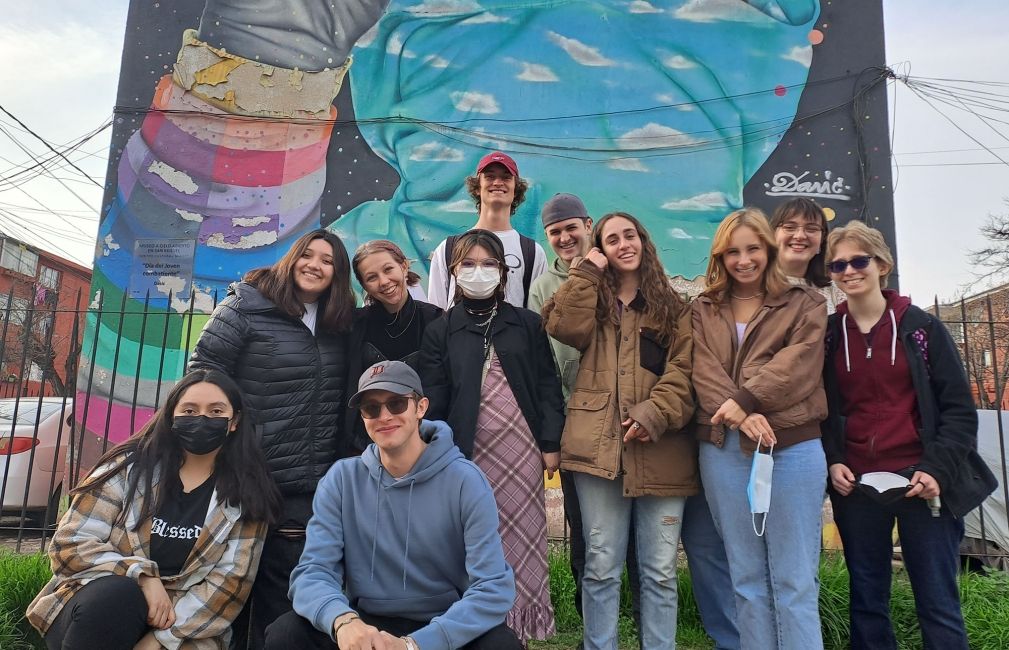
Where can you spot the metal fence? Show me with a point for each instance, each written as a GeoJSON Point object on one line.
{"type": "Point", "coordinates": [41, 379]}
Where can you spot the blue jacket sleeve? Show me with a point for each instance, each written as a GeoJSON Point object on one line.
{"type": "Point", "coordinates": [317, 582]}
{"type": "Point", "coordinates": [491, 590]}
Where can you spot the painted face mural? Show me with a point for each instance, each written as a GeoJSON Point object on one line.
{"type": "Point", "coordinates": [233, 138]}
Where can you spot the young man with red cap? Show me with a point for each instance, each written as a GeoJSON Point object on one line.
{"type": "Point", "coordinates": [498, 191]}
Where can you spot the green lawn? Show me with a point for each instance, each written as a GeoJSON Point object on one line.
{"type": "Point", "coordinates": [985, 601]}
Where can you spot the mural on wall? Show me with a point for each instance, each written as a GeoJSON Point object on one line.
{"type": "Point", "coordinates": [233, 137]}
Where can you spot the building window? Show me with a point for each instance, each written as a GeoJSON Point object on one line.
{"type": "Point", "coordinates": [18, 258]}
{"type": "Point", "coordinates": [987, 358]}
{"type": "Point", "coordinates": [49, 277]}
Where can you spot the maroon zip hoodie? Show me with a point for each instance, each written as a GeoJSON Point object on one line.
{"type": "Point", "coordinates": [877, 394]}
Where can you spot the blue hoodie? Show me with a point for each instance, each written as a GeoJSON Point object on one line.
{"type": "Point", "coordinates": [423, 547]}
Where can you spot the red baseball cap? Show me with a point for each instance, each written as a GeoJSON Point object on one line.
{"type": "Point", "coordinates": [501, 158]}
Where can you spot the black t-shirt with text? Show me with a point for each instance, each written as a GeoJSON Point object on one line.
{"type": "Point", "coordinates": [175, 528]}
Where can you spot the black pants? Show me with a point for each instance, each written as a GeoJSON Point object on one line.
{"type": "Point", "coordinates": [268, 600]}
{"type": "Point", "coordinates": [106, 614]}
{"type": "Point", "coordinates": [293, 631]}
{"type": "Point", "coordinates": [573, 513]}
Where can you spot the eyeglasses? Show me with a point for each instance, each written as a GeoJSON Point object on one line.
{"type": "Point", "coordinates": [809, 228]}
{"type": "Point", "coordinates": [857, 263]}
{"type": "Point", "coordinates": [488, 263]}
{"type": "Point", "coordinates": [395, 406]}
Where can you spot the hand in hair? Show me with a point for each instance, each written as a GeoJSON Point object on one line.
{"type": "Point", "coordinates": [596, 257]}
{"type": "Point", "coordinates": [729, 413]}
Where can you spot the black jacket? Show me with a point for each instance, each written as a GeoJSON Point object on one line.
{"type": "Point", "coordinates": [452, 364]}
{"type": "Point", "coordinates": [360, 357]}
{"type": "Point", "coordinates": [945, 404]}
{"type": "Point", "coordinates": [294, 383]}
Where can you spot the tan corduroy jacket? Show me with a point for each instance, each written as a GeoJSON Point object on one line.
{"type": "Point", "coordinates": [625, 372]}
{"type": "Point", "coordinates": [776, 371]}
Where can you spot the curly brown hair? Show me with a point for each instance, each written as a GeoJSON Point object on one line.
{"type": "Point", "coordinates": [662, 304]}
{"type": "Point", "coordinates": [521, 187]}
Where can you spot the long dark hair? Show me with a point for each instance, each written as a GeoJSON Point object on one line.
{"type": "Point", "coordinates": [662, 303]}
{"type": "Point", "coordinates": [276, 283]}
{"type": "Point", "coordinates": [807, 210]}
{"type": "Point", "coordinates": [242, 478]}
{"type": "Point", "coordinates": [492, 244]}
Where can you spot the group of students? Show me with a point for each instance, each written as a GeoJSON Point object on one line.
{"type": "Point", "coordinates": [252, 510]}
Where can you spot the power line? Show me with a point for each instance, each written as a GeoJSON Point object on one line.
{"type": "Point", "coordinates": [48, 146]}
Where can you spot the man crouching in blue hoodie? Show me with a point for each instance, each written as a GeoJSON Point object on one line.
{"type": "Point", "coordinates": [402, 551]}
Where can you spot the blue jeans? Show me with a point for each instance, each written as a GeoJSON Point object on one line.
{"type": "Point", "coordinates": [709, 573]}
{"type": "Point", "coordinates": [606, 522]}
{"type": "Point", "coordinates": [930, 547]}
{"type": "Point", "coordinates": [775, 577]}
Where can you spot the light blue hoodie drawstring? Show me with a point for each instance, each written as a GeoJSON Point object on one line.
{"type": "Point", "coordinates": [378, 509]}
{"type": "Point", "coordinates": [409, 513]}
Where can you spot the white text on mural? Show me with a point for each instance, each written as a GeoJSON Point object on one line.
{"type": "Point", "coordinates": [788, 184]}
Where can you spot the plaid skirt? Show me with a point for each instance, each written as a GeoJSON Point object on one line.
{"type": "Point", "coordinates": [505, 450]}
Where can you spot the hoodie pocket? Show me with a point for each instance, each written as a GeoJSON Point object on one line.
{"type": "Point", "coordinates": [588, 421]}
{"type": "Point", "coordinates": [410, 607]}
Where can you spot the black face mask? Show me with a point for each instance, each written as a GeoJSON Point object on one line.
{"type": "Point", "coordinates": [200, 434]}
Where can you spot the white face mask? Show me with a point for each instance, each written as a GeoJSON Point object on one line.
{"type": "Point", "coordinates": [478, 282]}
{"type": "Point", "coordinates": [758, 490]}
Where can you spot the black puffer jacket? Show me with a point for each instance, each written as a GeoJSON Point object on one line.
{"type": "Point", "coordinates": [294, 383]}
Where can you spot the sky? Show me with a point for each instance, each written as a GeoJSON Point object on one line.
{"type": "Point", "coordinates": [61, 70]}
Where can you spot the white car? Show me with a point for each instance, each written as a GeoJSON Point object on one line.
{"type": "Point", "coordinates": [33, 454]}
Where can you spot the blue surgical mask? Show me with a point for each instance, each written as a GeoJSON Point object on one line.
{"type": "Point", "coordinates": [758, 490]}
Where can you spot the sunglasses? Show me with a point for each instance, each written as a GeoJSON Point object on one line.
{"type": "Point", "coordinates": [857, 263]}
{"type": "Point", "coordinates": [395, 406]}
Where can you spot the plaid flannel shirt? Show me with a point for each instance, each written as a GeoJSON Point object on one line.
{"type": "Point", "coordinates": [209, 592]}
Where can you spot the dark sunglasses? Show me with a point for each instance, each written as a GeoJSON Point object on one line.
{"type": "Point", "coordinates": [396, 405]}
{"type": "Point", "coordinates": [857, 263]}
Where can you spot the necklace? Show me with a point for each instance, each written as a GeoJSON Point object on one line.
{"type": "Point", "coordinates": [756, 295]}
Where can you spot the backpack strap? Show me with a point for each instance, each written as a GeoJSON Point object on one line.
{"type": "Point", "coordinates": [528, 259]}
{"type": "Point", "coordinates": [449, 249]}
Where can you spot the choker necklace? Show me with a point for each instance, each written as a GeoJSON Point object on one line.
{"type": "Point", "coordinates": [756, 295]}
{"type": "Point", "coordinates": [482, 312]}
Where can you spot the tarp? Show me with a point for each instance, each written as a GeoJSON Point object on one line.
{"type": "Point", "coordinates": [992, 445]}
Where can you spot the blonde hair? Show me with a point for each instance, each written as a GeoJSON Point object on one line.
{"type": "Point", "coordinates": [717, 278]}
{"type": "Point", "coordinates": [868, 239]}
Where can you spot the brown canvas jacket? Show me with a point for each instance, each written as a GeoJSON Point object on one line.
{"type": "Point", "coordinates": [625, 372]}
{"type": "Point", "coordinates": [776, 371]}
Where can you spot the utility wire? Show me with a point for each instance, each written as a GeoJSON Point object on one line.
{"type": "Point", "coordinates": [48, 146]}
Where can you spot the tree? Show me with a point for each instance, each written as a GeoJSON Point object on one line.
{"type": "Point", "coordinates": [993, 259]}
{"type": "Point", "coordinates": [980, 324]}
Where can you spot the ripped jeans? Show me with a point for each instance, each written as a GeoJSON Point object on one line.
{"type": "Point", "coordinates": [606, 521]}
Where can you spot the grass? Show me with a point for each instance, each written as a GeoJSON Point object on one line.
{"type": "Point", "coordinates": [21, 577]}
{"type": "Point", "coordinates": [985, 601]}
